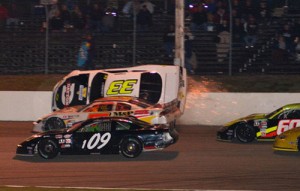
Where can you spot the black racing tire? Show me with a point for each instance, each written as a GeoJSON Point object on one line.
{"type": "Point", "coordinates": [54, 123]}
{"type": "Point", "coordinates": [245, 133]}
{"type": "Point", "coordinates": [298, 146]}
{"type": "Point", "coordinates": [131, 147]}
{"type": "Point", "coordinates": [48, 148]}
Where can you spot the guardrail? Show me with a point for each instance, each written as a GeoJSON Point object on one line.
{"type": "Point", "coordinates": [201, 108]}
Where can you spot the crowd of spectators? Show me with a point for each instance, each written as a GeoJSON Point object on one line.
{"type": "Point", "coordinates": [286, 43]}
{"type": "Point", "coordinates": [205, 15]}
{"type": "Point", "coordinates": [213, 15]}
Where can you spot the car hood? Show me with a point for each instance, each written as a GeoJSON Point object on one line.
{"type": "Point", "coordinates": [254, 116]}
{"type": "Point", "coordinates": [295, 131]}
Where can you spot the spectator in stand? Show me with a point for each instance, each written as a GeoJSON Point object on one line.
{"type": "Point", "coordinates": [238, 30]}
{"type": "Point", "coordinates": [150, 6]}
{"type": "Point", "coordinates": [279, 54]}
{"type": "Point", "coordinates": [264, 12]}
{"type": "Point", "coordinates": [220, 17]}
{"type": "Point", "coordinates": [236, 4]}
{"type": "Point", "coordinates": [250, 29]}
{"type": "Point", "coordinates": [131, 7]}
{"type": "Point", "coordinates": [77, 19]}
{"type": "Point", "coordinates": [86, 53]}
{"type": "Point", "coordinates": [169, 41]}
{"type": "Point", "coordinates": [223, 44]}
{"type": "Point", "coordinates": [297, 49]}
{"type": "Point", "coordinates": [188, 51]}
{"type": "Point", "coordinates": [249, 8]}
{"type": "Point", "coordinates": [3, 15]}
{"type": "Point", "coordinates": [210, 25]}
{"type": "Point", "coordinates": [144, 19]}
{"type": "Point", "coordinates": [13, 16]}
{"type": "Point", "coordinates": [56, 23]}
{"type": "Point", "coordinates": [211, 6]}
{"type": "Point", "coordinates": [198, 18]}
{"type": "Point", "coordinates": [289, 36]}
{"type": "Point", "coordinates": [108, 20]}
{"type": "Point", "coordinates": [95, 17]}
{"type": "Point", "coordinates": [65, 15]}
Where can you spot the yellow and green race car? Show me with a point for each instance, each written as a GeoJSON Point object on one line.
{"type": "Point", "coordinates": [288, 141]}
{"type": "Point", "coordinates": [261, 126]}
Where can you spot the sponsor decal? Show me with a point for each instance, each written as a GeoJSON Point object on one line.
{"type": "Point", "coordinates": [141, 112]}
{"type": "Point", "coordinates": [67, 93]}
{"type": "Point", "coordinates": [96, 115]}
{"type": "Point", "coordinates": [121, 87]}
{"type": "Point", "coordinates": [61, 141]}
{"type": "Point", "coordinates": [82, 92]}
{"type": "Point", "coordinates": [287, 124]}
{"type": "Point", "coordinates": [261, 123]}
{"type": "Point", "coordinates": [65, 146]}
{"type": "Point", "coordinates": [121, 113]}
{"type": "Point", "coordinates": [58, 136]}
{"type": "Point", "coordinates": [97, 141]}
{"type": "Point", "coordinates": [67, 136]}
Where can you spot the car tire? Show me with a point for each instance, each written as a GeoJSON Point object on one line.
{"type": "Point", "coordinates": [131, 147]}
{"type": "Point", "coordinates": [245, 133]}
{"type": "Point", "coordinates": [54, 123]}
{"type": "Point", "coordinates": [48, 148]}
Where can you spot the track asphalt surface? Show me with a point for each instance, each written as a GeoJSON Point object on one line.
{"type": "Point", "coordinates": [196, 161]}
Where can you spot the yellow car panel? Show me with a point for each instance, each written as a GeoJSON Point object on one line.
{"type": "Point", "coordinates": [288, 141]}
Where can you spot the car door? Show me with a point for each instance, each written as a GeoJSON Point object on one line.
{"type": "Point", "coordinates": [93, 137]}
{"type": "Point", "coordinates": [288, 119]}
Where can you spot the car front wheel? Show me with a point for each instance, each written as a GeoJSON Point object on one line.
{"type": "Point", "coordinates": [131, 147]}
{"type": "Point", "coordinates": [245, 133]}
{"type": "Point", "coordinates": [48, 148]}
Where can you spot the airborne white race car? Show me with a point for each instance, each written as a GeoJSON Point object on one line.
{"type": "Point", "coordinates": [157, 84]}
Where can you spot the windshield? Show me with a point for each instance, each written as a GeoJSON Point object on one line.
{"type": "Point", "coordinates": [274, 112]}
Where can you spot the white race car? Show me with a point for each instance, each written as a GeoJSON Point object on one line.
{"type": "Point", "coordinates": [117, 106]}
{"type": "Point", "coordinates": [155, 83]}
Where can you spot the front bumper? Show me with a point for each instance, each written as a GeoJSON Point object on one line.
{"type": "Point", "coordinates": [225, 134]}
{"type": "Point", "coordinates": [285, 145]}
{"type": "Point", "coordinates": [24, 150]}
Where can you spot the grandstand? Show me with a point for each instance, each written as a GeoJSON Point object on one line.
{"type": "Point", "coordinates": [23, 47]}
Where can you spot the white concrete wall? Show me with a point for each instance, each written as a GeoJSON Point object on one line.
{"type": "Point", "coordinates": [201, 108]}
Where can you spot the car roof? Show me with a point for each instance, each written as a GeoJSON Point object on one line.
{"type": "Point", "coordinates": [292, 106]}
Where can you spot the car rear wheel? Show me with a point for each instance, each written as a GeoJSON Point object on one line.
{"type": "Point", "coordinates": [54, 123]}
{"type": "Point", "coordinates": [245, 133]}
{"type": "Point", "coordinates": [131, 147]}
{"type": "Point", "coordinates": [48, 148]}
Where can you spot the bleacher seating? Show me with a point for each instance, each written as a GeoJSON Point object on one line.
{"type": "Point", "coordinates": [23, 49]}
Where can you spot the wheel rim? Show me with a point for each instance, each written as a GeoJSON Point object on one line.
{"type": "Point", "coordinates": [131, 148]}
{"type": "Point", "coordinates": [245, 134]}
{"type": "Point", "coordinates": [48, 149]}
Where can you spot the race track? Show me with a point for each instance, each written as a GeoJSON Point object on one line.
{"type": "Point", "coordinates": [196, 161]}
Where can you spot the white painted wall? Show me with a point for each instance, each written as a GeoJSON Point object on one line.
{"type": "Point", "coordinates": [201, 108]}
